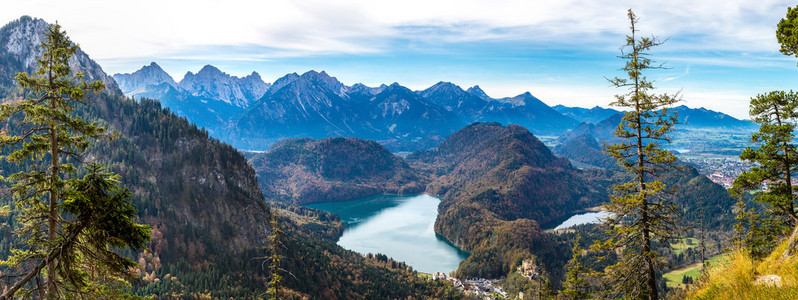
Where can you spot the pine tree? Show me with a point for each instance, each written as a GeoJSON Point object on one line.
{"type": "Point", "coordinates": [787, 32]}
{"type": "Point", "coordinates": [275, 281]}
{"type": "Point", "coordinates": [575, 285]}
{"type": "Point", "coordinates": [48, 141]}
{"type": "Point", "coordinates": [775, 159]}
{"type": "Point", "coordinates": [641, 211]}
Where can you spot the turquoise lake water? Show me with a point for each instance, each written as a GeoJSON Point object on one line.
{"type": "Point", "coordinates": [401, 227]}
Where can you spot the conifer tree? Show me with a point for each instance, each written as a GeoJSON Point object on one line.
{"type": "Point", "coordinates": [787, 32]}
{"type": "Point", "coordinates": [55, 233]}
{"type": "Point", "coordinates": [775, 159]}
{"type": "Point", "coordinates": [275, 281]}
{"type": "Point", "coordinates": [575, 285]}
{"type": "Point", "coordinates": [641, 211]}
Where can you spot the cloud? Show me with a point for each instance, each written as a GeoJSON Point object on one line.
{"type": "Point", "coordinates": [686, 72]}
{"type": "Point", "coordinates": [112, 29]}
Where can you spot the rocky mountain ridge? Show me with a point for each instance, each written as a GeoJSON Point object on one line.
{"type": "Point", "coordinates": [209, 83]}
{"type": "Point", "coordinates": [20, 43]}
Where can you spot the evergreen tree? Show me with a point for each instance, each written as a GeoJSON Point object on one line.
{"type": "Point", "coordinates": [775, 159]}
{"type": "Point", "coordinates": [275, 281]}
{"type": "Point", "coordinates": [48, 140]}
{"type": "Point", "coordinates": [641, 212]}
{"type": "Point", "coordinates": [575, 285]}
{"type": "Point", "coordinates": [787, 32]}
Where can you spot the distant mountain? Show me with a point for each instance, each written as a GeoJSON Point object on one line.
{"type": "Point", "coordinates": [499, 181]}
{"type": "Point", "coordinates": [689, 118]}
{"type": "Point", "coordinates": [20, 43]}
{"type": "Point", "coordinates": [709, 119]}
{"type": "Point", "coordinates": [528, 111]}
{"type": "Point", "coordinates": [210, 222]}
{"type": "Point", "coordinates": [283, 81]}
{"type": "Point", "coordinates": [317, 105]}
{"type": "Point", "coordinates": [304, 107]}
{"type": "Point", "coordinates": [454, 99]}
{"type": "Point", "coordinates": [475, 106]}
{"type": "Point", "coordinates": [314, 105]}
{"type": "Point", "coordinates": [136, 83]}
{"type": "Point", "coordinates": [593, 115]}
{"type": "Point", "coordinates": [360, 93]}
{"type": "Point", "coordinates": [477, 91]}
{"type": "Point", "coordinates": [210, 98]}
{"type": "Point", "coordinates": [212, 83]}
{"type": "Point", "coordinates": [406, 120]}
{"type": "Point", "coordinates": [333, 169]}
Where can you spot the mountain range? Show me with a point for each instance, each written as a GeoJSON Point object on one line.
{"type": "Point", "coordinates": [251, 114]}
{"type": "Point", "coordinates": [208, 204]}
{"type": "Point", "coordinates": [687, 118]}
{"type": "Point", "coordinates": [209, 219]}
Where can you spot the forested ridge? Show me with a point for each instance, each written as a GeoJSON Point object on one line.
{"type": "Point", "coordinates": [498, 184]}
{"type": "Point", "coordinates": [333, 169]}
{"type": "Point", "coordinates": [209, 220]}
{"type": "Point", "coordinates": [210, 207]}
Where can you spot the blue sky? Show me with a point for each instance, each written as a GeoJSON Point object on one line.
{"type": "Point", "coordinates": [719, 53]}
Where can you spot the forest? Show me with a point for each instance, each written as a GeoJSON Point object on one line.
{"type": "Point", "coordinates": [107, 196]}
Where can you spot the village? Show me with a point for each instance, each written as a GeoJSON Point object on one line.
{"type": "Point", "coordinates": [722, 171]}
{"type": "Point", "coordinates": [480, 287]}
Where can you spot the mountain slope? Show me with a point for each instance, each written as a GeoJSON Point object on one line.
{"type": "Point", "coordinates": [333, 169]}
{"type": "Point", "coordinates": [477, 91]}
{"type": "Point", "coordinates": [528, 111]}
{"type": "Point", "coordinates": [210, 221]}
{"type": "Point", "coordinates": [592, 115]}
{"type": "Point", "coordinates": [405, 120]}
{"type": "Point", "coordinates": [498, 183]}
{"type": "Point", "coordinates": [20, 43]}
{"type": "Point", "coordinates": [705, 118]}
{"type": "Point", "coordinates": [316, 105]}
{"type": "Point", "coordinates": [454, 99]}
{"type": "Point", "coordinates": [305, 107]}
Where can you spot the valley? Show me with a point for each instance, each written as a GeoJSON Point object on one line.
{"type": "Point", "coordinates": [361, 190]}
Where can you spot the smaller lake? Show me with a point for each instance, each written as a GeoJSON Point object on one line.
{"type": "Point", "coordinates": [583, 218]}
{"type": "Point", "coordinates": [402, 227]}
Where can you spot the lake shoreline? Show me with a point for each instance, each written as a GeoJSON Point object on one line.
{"type": "Point", "coordinates": [399, 226]}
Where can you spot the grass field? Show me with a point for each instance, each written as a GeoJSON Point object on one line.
{"type": "Point", "coordinates": [684, 244]}
{"type": "Point", "coordinates": [674, 278]}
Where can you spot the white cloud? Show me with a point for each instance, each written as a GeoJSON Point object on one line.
{"type": "Point", "coordinates": [113, 29]}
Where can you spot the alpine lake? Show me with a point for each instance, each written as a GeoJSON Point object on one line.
{"type": "Point", "coordinates": [399, 226]}
{"type": "Point", "coordinates": [403, 228]}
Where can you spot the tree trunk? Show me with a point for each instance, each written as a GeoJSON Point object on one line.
{"type": "Point", "coordinates": [791, 244]}
{"type": "Point", "coordinates": [52, 218]}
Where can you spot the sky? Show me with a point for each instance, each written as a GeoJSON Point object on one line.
{"type": "Point", "coordinates": [717, 54]}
